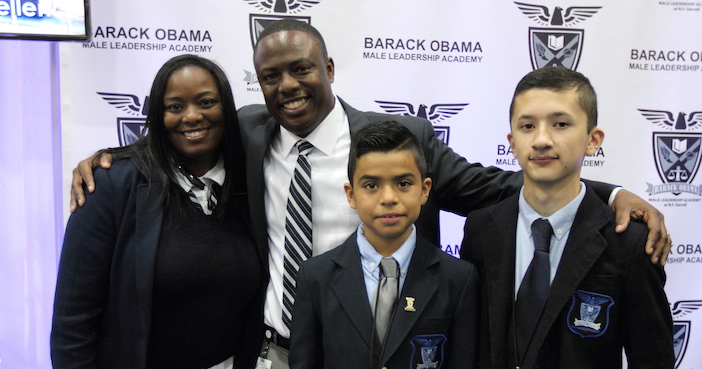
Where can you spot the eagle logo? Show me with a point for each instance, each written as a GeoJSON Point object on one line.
{"type": "Point", "coordinates": [551, 46]}
{"type": "Point", "coordinates": [127, 103]}
{"type": "Point", "coordinates": [435, 114]}
{"type": "Point", "coordinates": [129, 129]}
{"type": "Point", "coordinates": [573, 15]}
{"type": "Point", "coordinates": [682, 328]}
{"type": "Point", "coordinates": [282, 6]}
{"type": "Point", "coordinates": [665, 119]}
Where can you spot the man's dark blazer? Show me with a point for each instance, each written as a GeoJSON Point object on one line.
{"type": "Point", "coordinates": [457, 186]}
{"type": "Point", "coordinates": [333, 324]}
{"type": "Point", "coordinates": [102, 308]}
{"type": "Point", "coordinates": [596, 259]}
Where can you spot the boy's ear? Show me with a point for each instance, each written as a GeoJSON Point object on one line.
{"type": "Point", "coordinates": [509, 138]}
{"type": "Point", "coordinates": [596, 137]}
{"type": "Point", "coordinates": [426, 188]}
{"type": "Point", "coordinates": [349, 195]}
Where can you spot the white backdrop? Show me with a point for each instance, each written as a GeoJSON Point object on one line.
{"type": "Point", "coordinates": [640, 55]}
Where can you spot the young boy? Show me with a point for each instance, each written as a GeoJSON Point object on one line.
{"type": "Point", "coordinates": [570, 292]}
{"type": "Point", "coordinates": [432, 321]}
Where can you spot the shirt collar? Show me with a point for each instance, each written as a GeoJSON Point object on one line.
{"type": "Point", "coordinates": [216, 174]}
{"type": "Point", "coordinates": [370, 258]}
{"type": "Point", "coordinates": [561, 221]}
{"type": "Point", "coordinates": [324, 137]}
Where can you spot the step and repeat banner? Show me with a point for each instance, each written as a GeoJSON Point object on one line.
{"type": "Point", "coordinates": [453, 62]}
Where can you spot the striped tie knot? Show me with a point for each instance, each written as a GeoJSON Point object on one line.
{"type": "Point", "coordinates": [304, 147]}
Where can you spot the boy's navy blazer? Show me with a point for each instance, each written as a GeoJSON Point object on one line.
{"type": "Point", "coordinates": [596, 259]}
{"type": "Point", "coordinates": [333, 324]}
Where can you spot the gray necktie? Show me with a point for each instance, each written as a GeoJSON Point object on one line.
{"type": "Point", "coordinates": [386, 296]}
{"type": "Point", "coordinates": [535, 285]}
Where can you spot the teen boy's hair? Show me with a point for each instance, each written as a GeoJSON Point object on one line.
{"type": "Point", "coordinates": [559, 79]}
{"type": "Point", "coordinates": [385, 137]}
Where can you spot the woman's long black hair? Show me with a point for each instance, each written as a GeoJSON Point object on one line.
{"type": "Point", "coordinates": [154, 155]}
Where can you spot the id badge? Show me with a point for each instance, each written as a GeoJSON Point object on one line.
{"type": "Point", "coordinates": [262, 363]}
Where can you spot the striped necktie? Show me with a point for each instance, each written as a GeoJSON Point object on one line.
{"type": "Point", "coordinates": [298, 227]}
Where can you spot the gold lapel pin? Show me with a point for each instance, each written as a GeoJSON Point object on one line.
{"type": "Point", "coordinates": [410, 304]}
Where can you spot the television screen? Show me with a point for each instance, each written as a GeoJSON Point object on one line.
{"type": "Point", "coordinates": [45, 19]}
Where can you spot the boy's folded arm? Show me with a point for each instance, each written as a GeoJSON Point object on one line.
{"type": "Point", "coordinates": [627, 206]}
{"type": "Point", "coordinates": [647, 345]}
{"type": "Point", "coordinates": [465, 325]}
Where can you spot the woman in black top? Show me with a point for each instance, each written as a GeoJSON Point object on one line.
{"type": "Point", "coordinates": [158, 269]}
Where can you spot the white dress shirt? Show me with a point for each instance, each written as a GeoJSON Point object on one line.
{"type": "Point", "coordinates": [333, 220]}
{"type": "Point", "coordinates": [214, 175]}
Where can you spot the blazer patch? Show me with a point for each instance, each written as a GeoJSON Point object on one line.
{"type": "Point", "coordinates": [589, 313]}
{"type": "Point", "coordinates": [427, 351]}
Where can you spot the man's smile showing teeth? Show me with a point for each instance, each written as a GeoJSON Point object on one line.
{"type": "Point", "coordinates": [295, 104]}
{"type": "Point", "coordinates": [195, 134]}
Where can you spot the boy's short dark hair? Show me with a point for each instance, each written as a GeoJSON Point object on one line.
{"type": "Point", "coordinates": [385, 137]}
{"type": "Point", "coordinates": [560, 79]}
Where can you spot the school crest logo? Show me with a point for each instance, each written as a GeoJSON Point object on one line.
{"type": "Point", "coordinates": [555, 49]}
{"type": "Point", "coordinates": [682, 328]}
{"type": "Point", "coordinates": [435, 114]}
{"type": "Point", "coordinates": [554, 45]}
{"type": "Point", "coordinates": [676, 151]}
{"type": "Point", "coordinates": [427, 351]}
{"type": "Point", "coordinates": [275, 10]}
{"type": "Point", "coordinates": [589, 313]}
{"type": "Point", "coordinates": [129, 128]}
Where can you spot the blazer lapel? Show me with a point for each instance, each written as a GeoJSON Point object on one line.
{"type": "Point", "coordinates": [357, 120]}
{"type": "Point", "coordinates": [498, 241]}
{"type": "Point", "coordinates": [257, 148]}
{"type": "Point", "coordinates": [148, 230]}
{"type": "Point", "coordinates": [420, 285]}
{"type": "Point", "coordinates": [349, 287]}
{"type": "Point", "coordinates": [584, 246]}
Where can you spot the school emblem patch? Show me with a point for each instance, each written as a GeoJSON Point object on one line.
{"type": "Point", "coordinates": [427, 351]}
{"type": "Point", "coordinates": [589, 313]}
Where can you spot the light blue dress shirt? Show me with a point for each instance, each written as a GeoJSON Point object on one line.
{"type": "Point", "coordinates": [561, 222]}
{"type": "Point", "coordinates": [370, 260]}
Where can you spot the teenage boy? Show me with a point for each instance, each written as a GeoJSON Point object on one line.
{"type": "Point", "coordinates": [568, 292]}
{"type": "Point", "coordinates": [339, 320]}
